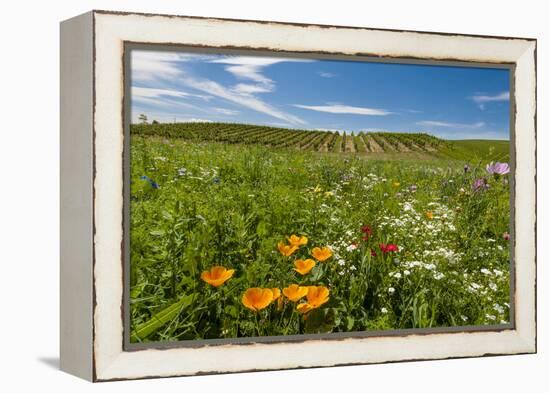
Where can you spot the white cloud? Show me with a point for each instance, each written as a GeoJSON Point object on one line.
{"type": "Point", "coordinates": [148, 66]}
{"type": "Point", "coordinates": [327, 74]}
{"type": "Point", "coordinates": [248, 101]}
{"type": "Point", "coordinates": [482, 99]}
{"type": "Point", "coordinates": [504, 96]}
{"type": "Point", "coordinates": [432, 123]}
{"type": "Point", "coordinates": [345, 109]}
{"type": "Point", "coordinates": [166, 66]}
{"type": "Point", "coordinates": [228, 112]}
{"type": "Point", "coordinates": [164, 97]}
{"type": "Point", "coordinates": [195, 120]}
{"type": "Point", "coordinates": [150, 92]}
{"type": "Point", "coordinates": [250, 67]}
{"type": "Point", "coordinates": [243, 88]}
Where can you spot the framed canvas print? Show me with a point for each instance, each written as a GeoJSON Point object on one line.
{"type": "Point", "coordinates": [245, 195]}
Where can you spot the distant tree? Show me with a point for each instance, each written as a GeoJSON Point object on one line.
{"type": "Point", "coordinates": [154, 122]}
{"type": "Point", "coordinates": [142, 118]}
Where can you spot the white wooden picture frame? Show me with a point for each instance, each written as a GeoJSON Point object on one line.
{"type": "Point", "coordinates": [92, 198]}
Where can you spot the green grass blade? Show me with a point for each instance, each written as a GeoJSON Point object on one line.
{"type": "Point", "coordinates": [159, 319]}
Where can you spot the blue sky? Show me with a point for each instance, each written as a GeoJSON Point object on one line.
{"type": "Point", "coordinates": [449, 102]}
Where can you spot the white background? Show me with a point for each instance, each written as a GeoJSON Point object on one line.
{"type": "Point", "coordinates": [29, 197]}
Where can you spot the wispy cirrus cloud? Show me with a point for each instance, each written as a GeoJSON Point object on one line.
{"type": "Point", "coordinates": [246, 100]}
{"type": "Point", "coordinates": [482, 99]}
{"type": "Point", "coordinates": [434, 123]}
{"type": "Point", "coordinates": [150, 92]}
{"type": "Point", "coordinates": [154, 67]}
{"type": "Point", "coordinates": [324, 74]}
{"type": "Point", "coordinates": [149, 66]}
{"type": "Point", "coordinates": [345, 109]}
{"type": "Point", "coordinates": [243, 88]}
{"type": "Point", "coordinates": [227, 112]}
{"type": "Point", "coordinates": [250, 69]}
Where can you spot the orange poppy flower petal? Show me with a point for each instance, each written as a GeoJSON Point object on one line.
{"type": "Point", "coordinates": [217, 275]}
{"type": "Point", "coordinates": [276, 293]}
{"type": "Point", "coordinates": [304, 266]}
{"type": "Point", "coordinates": [297, 240]}
{"type": "Point", "coordinates": [317, 296]}
{"type": "Point", "coordinates": [321, 254]}
{"type": "Point", "coordinates": [257, 298]}
{"type": "Point", "coordinates": [304, 308]}
{"type": "Point", "coordinates": [294, 292]}
{"type": "Point", "coordinates": [248, 303]}
{"type": "Point", "coordinates": [286, 250]}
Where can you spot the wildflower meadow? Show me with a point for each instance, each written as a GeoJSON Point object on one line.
{"type": "Point", "coordinates": [246, 239]}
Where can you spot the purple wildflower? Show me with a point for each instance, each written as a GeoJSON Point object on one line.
{"type": "Point", "coordinates": [480, 184]}
{"type": "Point", "coordinates": [498, 168]}
{"type": "Point", "coordinates": [413, 188]}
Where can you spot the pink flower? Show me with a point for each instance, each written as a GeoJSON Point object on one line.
{"type": "Point", "coordinates": [498, 168]}
{"type": "Point", "coordinates": [506, 236]}
{"type": "Point", "coordinates": [480, 184]}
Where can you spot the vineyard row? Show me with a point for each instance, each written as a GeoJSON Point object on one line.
{"type": "Point", "coordinates": [311, 140]}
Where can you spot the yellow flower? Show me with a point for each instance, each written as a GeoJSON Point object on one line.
{"type": "Point", "coordinates": [329, 194]}
{"type": "Point", "coordinates": [295, 292]}
{"type": "Point", "coordinates": [396, 184]}
{"type": "Point", "coordinates": [304, 266]}
{"type": "Point", "coordinates": [217, 275]}
{"type": "Point", "coordinates": [276, 293]}
{"type": "Point", "coordinates": [317, 188]}
{"type": "Point", "coordinates": [304, 308]}
{"type": "Point", "coordinates": [297, 240]}
{"type": "Point", "coordinates": [429, 215]}
{"type": "Point", "coordinates": [316, 297]}
{"type": "Point", "coordinates": [321, 254]}
{"type": "Point", "coordinates": [257, 299]}
{"type": "Point", "coordinates": [285, 249]}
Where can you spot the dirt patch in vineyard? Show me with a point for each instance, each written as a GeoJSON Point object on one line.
{"type": "Point", "coordinates": [429, 148]}
{"type": "Point", "coordinates": [402, 148]}
{"type": "Point", "coordinates": [350, 146]}
{"type": "Point", "coordinates": [372, 145]}
{"type": "Point", "coordinates": [386, 146]}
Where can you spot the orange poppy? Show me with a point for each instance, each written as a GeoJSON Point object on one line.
{"type": "Point", "coordinates": [257, 299]}
{"type": "Point", "coordinates": [286, 250]}
{"type": "Point", "coordinates": [297, 240]}
{"type": "Point", "coordinates": [316, 297]}
{"type": "Point", "coordinates": [217, 275]}
{"type": "Point", "coordinates": [294, 292]}
{"type": "Point", "coordinates": [321, 253]}
{"type": "Point", "coordinates": [304, 266]}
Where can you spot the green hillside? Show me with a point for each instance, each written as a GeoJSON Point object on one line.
{"type": "Point", "coordinates": [380, 145]}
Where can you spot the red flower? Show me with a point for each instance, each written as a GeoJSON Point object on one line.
{"type": "Point", "coordinates": [390, 247]}
{"type": "Point", "coordinates": [373, 253]}
{"type": "Point", "coordinates": [367, 230]}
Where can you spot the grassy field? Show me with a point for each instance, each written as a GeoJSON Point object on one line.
{"type": "Point", "coordinates": [403, 238]}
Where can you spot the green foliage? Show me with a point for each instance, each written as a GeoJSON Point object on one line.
{"type": "Point", "coordinates": [335, 142]}
{"type": "Point", "coordinates": [230, 204]}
